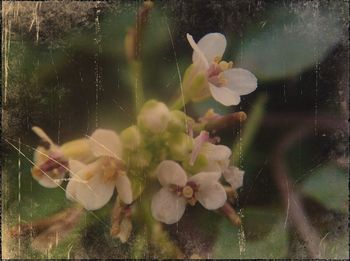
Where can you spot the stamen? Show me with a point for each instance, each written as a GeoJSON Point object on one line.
{"type": "Point", "coordinates": [225, 65]}
{"type": "Point", "coordinates": [198, 143]}
{"type": "Point", "coordinates": [217, 59]}
{"type": "Point", "coordinates": [187, 192]}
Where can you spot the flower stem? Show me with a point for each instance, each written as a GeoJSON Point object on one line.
{"type": "Point", "coordinates": [180, 102]}
{"type": "Point", "coordinates": [135, 76]}
{"type": "Point", "coordinates": [249, 131]}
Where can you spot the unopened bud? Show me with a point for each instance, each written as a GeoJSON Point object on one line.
{"type": "Point", "coordinates": [131, 138]}
{"type": "Point", "coordinates": [78, 150]}
{"type": "Point", "coordinates": [200, 163]}
{"type": "Point", "coordinates": [179, 145]}
{"type": "Point", "coordinates": [154, 117]}
{"type": "Point", "coordinates": [195, 84]}
{"type": "Point", "coordinates": [179, 121]}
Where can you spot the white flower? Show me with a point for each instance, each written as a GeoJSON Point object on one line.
{"type": "Point", "coordinates": [93, 185]}
{"type": "Point", "coordinates": [50, 164]}
{"type": "Point", "coordinates": [169, 203]}
{"type": "Point", "coordinates": [154, 116]}
{"type": "Point", "coordinates": [226, 84]}
{"type": "Point", "coordinates": [217, 156]}
{"type": "Point", "coordinates": [51, 160]}
{"type": "Point", "coordinates": [234, 176]}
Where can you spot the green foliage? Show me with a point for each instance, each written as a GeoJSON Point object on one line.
{"type": "Point", "coordinates": [241, 145]}
{"type": "Point", "coordinates": [329, 185]}
{"type": "Point", "coordinates": [232, 242]}
{"type": "Point", "coordinates": [292, 39]}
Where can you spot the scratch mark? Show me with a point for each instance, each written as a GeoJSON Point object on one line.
{"type": "Point", "coordinates": [19, 194]}
{"type": "Point", "coordinates": [288, 205]}
{"type": "Point", "coordinates": [178, 72]}
{"type": "Point", "coordinates": [103, 146]}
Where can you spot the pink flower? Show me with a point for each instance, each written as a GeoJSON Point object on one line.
{"type": "Point", "coordinates": [226, 84]}
{"type": "Point", "coordinates": [169, 203]}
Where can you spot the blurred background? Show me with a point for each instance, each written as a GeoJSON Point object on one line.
{"type": "Point", "coordinates": [64, 69]}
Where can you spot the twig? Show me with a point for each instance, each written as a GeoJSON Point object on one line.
{"type": "Point", "coordinates": [290, 197]}
{"type": "Point", "coordinates": [231, 120]}
{"type": "Point", "coordinates": [230, 214]}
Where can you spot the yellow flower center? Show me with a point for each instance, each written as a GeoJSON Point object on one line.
{"type": "Point", "coordinates": [111, 169]}
{"type": "Point", "coordinates": [187, 192]}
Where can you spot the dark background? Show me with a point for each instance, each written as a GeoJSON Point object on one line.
{"type": "Point", "coordinates": [72, 79]}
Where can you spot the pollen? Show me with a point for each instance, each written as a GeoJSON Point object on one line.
{"type": "Point", "coordinates": [88, 175]}
{"type": "Point", "coordinates": [217, 59]}
{"type": "Point", "coordinates": [225, 65]}
{"type": "Point", "coordinates": [187, 192]}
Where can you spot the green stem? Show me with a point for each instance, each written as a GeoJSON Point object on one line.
{"type": "Point", "coordinates": [135, 77]}
{"type": "Point", "coordinates": [180, 102]}
{"type": "Point", "coordinates": [249, 131]}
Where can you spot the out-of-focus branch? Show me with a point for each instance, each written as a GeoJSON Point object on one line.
{"type": "Point", "coordinates": [292, 119]}
{"type": "Point", "coordinates": [48, 232]}
{"type": "Point", "coordinates": [36, 227]}
{"type": "Point", "coordinates": [291, 199]}
{"type": "Point", "coordinates": [134, 34]}
{"type": "Point", "coordinates": [132, 45]}
{"type": "Point", "coordinates": [231, 120]}
{"type": "Point", "coordinates": [230, 214]}
{"type": "Point", "coordinates": [251, 126]}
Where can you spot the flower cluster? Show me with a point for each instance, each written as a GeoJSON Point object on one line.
{"type": "Point", "coordinates": [165, 146]}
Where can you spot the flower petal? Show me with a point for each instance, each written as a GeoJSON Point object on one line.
{"type": "Point", "coordinates": [216, 152]}
{"type": "Point", "coordinates": [125, 230]}
{"type": "Point", "coordinates": [197, 146]}
{"type": "Point", "coordinates": [198, 56]}
{"type": "Point", "coordinates": [71, 190]}
{"type": "Point", "coordinates": [234, 176]}
{"type": "Point", "coordinates": [167, 207]}
{"type": "Point", "coordinates": [95, 193]}
{"type": "Point", "coordinates": [212, 45]}
{"type": "Point", "coordinates": [38, 131]}
{"type": "Point", "coordinates": [75, 166]}
{"type": "Point", "coordinates": [240, 80]}
{"type": "Point", "coordinates": [203, 179]}
{"type": "Point", "coordinates": [47, 181]}
{"type": "Point", "coordinates": [224, 95]}
{"type": "Point", "coordinates": [212, 196]}
{"type": "Point", "coordinates": [40, 155]}
{"type": "Point", "coordinates": [124, 188]}
{"type": "Point", "coordinates": [170, 172]}
{"type": "Point", "coordinates": [106, 143]}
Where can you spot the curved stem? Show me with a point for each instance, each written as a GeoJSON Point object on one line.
{"type": "Point", "coordinates": [280, 173]}
{"type": "Point", "coordinates": [179, 103]}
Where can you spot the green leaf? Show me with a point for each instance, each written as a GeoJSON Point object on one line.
{"type": "Point", "coordinates": [292, 39]}
{"type": "Point", "coordinates": [329, 185]}
{"type": "Point", "coordinates": [250, 128]}
{"type": "Point", "coordinates": [232, 243]}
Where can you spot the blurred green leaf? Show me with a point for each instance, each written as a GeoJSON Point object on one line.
{"type": "Point", "coordinates": [329, 185]}
{"type": "Point", "coordinates": [250, 128]}
{"type": "Point", "coordinates": [292, 39]}
{"type": "Point", "coordinates": [232, 243]}
{"type": "Point", "coordinates": [335, 248]}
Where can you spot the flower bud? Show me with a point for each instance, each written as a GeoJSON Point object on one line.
{"type": "Point", "coordinates": [141, 158]}
{"type": "Point", "coordinates": [131, 137]}
{"type": "Point", "coordinates": [78, 150]}
{"type": "Point", "coordinates": [180, 146]}
{"type": "Point", "coordinates": [154, 117]}
{"type": "Point", "coordinates": [195, 84]}
{"type": "Point", "coordinates": [200, 164]}
{"type": "Point", "coordinates": [179, 121]}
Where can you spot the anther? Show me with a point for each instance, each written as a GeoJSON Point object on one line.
{"type": "Point", "coordinates": [187, 192]}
